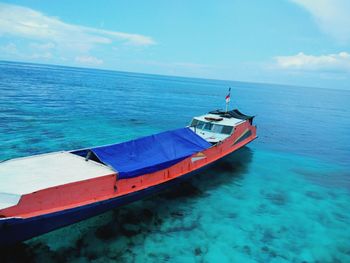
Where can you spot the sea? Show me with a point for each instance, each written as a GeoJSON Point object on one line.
{"type": "Point", "coordinates": [283, 198]}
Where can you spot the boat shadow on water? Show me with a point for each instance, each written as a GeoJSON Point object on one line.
{"type": "Point", "coordinates": [140, 218]}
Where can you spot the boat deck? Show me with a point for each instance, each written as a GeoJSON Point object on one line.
{"type": "Point", "coordinates": [29, 174]}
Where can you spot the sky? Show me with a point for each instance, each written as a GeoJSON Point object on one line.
{"type": "Point", "coordinates": [294, 42]}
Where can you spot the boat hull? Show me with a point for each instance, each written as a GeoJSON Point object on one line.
{"type": "Point", "coordinates": [26, 225]}
{"type": "Point", "coordinates": [14, 230]}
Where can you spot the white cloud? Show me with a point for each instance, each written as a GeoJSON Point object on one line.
{"type": "Point", "coordinates": [42, 55]}
{"type": "Point", "coordinates": [332, 62]}
{"type": "Point", "coordinates": [332, 16]}
{"type": "Point", "coordinates": [89, 60]}
{"type": "Point", "coordinates": [9, 48]}
{"type": "Point", "coordinates": [27, 23]}
{"type": "Point", "coordinates": [42, 46]}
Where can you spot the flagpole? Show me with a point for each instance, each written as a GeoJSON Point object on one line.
{"type": "Point", "coordinates": [228, 98]}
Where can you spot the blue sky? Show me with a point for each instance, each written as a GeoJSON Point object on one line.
{"type": "Point", "coordinates": [296, 42]}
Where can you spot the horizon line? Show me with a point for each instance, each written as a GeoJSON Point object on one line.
{"type": "Point", "coordinates": [171, 76]}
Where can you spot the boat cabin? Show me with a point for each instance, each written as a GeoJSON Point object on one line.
{"type": "Point", "coordinates": [217, 125]}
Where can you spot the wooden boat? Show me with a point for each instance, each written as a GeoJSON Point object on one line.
{"type": "Point", "coordinates": [44, 192]}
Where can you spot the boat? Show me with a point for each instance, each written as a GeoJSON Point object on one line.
{"type": "Point", "coordinates": [41, 193]}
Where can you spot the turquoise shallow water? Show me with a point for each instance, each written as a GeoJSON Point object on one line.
{"type": "Point", "coordinates": [284, 198]}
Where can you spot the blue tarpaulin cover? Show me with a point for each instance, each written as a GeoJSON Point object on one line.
{"type": "Point", "coordinates": [150, 153]}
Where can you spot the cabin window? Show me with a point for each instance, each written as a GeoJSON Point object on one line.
{"type": "Point", "coordinates": [217, 128]}
{"type": "Point", "coordinates": [207, 126]}
{"type": "Point", "coordinates": [227, 130]}
{"type": "Point", "coordinates": [200, 125]}
{"type": "Point", "coordinates": [194, 122]}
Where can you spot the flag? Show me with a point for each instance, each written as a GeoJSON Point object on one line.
{"type": "Point", "coordinates": [228, 97]}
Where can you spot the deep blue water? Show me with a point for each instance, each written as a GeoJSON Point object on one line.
{"type": "Point", "coordinates": [284, 198]}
